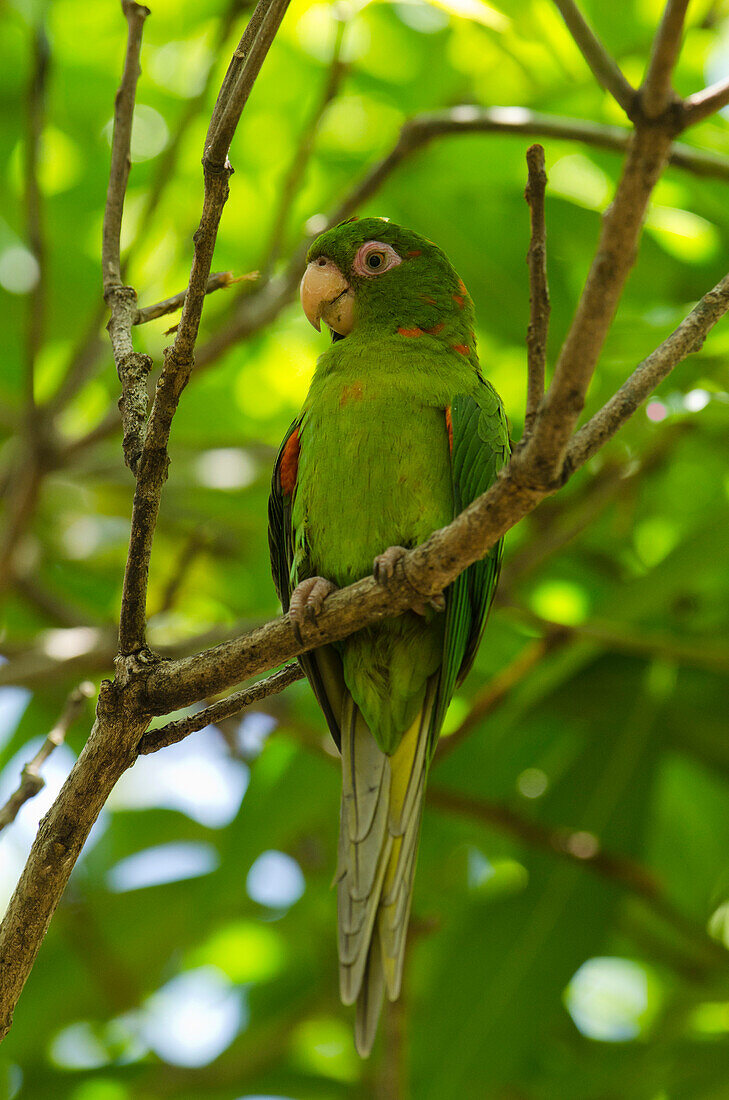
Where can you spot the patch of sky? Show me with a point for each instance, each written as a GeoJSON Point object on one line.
{"type": "Point", "coordinates": [275, 880]}
{"type": "Point", "coordinates": [612, 999]}
{"type": "Point", "coordinates": [19, 836]}
{"type": "Point", "coordinates": [196, 776]}
{"type": "Point", "coordinates": [194, 1017]}
{"type": "Point", "coordinates": [163, 863]}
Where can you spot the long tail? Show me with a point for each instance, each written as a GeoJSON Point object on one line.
{"type": "Point", "coordinates": [382, 800]}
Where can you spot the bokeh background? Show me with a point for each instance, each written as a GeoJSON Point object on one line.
{"type": "Point", "coordinates": [571, 914]}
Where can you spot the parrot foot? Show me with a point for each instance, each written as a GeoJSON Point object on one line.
{"type": "Point", "coordinates": [307, 600]}
{"type": "Point", "coordinates": [383, 570]}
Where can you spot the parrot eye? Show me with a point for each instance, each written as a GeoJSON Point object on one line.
{"type": "Point", "coordinates": [374, 258]}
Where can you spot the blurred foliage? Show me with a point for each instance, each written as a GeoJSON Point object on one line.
{"type": "Point", "coordinates": [194, 953]}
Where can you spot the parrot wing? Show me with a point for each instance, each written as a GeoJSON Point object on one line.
{"type": "Point", "coordinates": [480, 448]}
{"type": "Point", "coordinates": [323, 667]}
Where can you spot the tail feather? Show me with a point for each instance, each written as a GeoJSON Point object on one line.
{"type": "Point", "coordinates": [369, 1002]}
{"type": "Point", "coordinates": [363, 769]}
{"type": "Point", "coordinates": [382, 800]}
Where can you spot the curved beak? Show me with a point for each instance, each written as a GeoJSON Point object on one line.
{"type": "Point", "coordinates": [326, 295]}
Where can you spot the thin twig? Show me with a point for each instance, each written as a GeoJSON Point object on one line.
{"type": "Point", "coordinates": [538, 286]}
{"type": "Point", "coordinates": [544, 452]}
{"type": "Point", "coordinates": [178, 360]}
{"type": "Point", "coordinates": [656, 92]}
{"type": "Point", "coordinates": [233, 704]}
{"type": "Point", "coordinates": [135, 15]}
{"type": "Point", "coordinates": [294, 176]}
{"type": "Point", "coordinates": [585, 850]}
{"type": "Point", "coordinates": [685, 340]}
{"type": "Point", "coordinates": [89, 351]}
{"type": "Point", "coordinates": [34, 213]}
{"type": "Point", "coordinates": [217, 281]}
{"type": "Point", "coordinates": [132, 367]}
{"type": "Point", "coordinates": [699, 106]}
{"type": "Point", "coordinates": [604, 68]}
{"type": "Point", "coordinates": [32, 781]}
{"type": "Point", "coordinates": [166, 163]}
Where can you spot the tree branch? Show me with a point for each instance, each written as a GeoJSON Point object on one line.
{"type": "Point", "coordinates": [543, 455]}
{"type": "Point", "coordinates": [702, 104]}
{"type": "Point", "coordinates": [656, 93]}
{"type": "Point", "coordinates": [34, 213]}
{"type": "Point", "coordinates": [239, 80]}
{"type": "Point", "coordinates": [109, 751]}
{"type": "Point", "coordinates": [604, 68]}
{"type": "Point", "coordinates": [216, 281]}
{"type": "Point", "coordinates": [305, 147]}
{"type": "Point", "coordinates": [31, 780]}
{"type": "Point", "coordinates": [688, 338]}
{"type": "Point", "coordinates": [538, 286]}
{"type": "Point", "coordinates": [175, 731]}
{"type": "Point", "coordinates": [132, 367]}
{"type": "Point", "coordinates": [178, 360]}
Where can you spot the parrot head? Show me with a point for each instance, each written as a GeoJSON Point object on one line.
{"type": "Point", "coordinates": [372, 275]}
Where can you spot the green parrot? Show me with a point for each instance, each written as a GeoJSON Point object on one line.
{"type": "Point", "coordinates": [398, 433]}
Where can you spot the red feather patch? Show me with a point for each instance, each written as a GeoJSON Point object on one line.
{"type": "Point", "coordinates": [352, 392]}
{"type": "Point", "coordinates": [449, 428]}
{"type": "Point", "coordinates": [410, 331]}
{"type": "Point", "coordinates": [289, 466]}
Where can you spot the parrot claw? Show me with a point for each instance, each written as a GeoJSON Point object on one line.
{"type": "Point", "coordinates": [383, 567]}
{"type": "Point", "coordinates": [306, 602]}
{"type": "Point", "coordinates": [383, 570]}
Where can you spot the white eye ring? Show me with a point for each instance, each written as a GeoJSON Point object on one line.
{"type": "Point", "coordinates": [384, 254]}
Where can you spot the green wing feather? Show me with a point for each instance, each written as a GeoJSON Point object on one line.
{"type": "Point", "coordinates": [480, 449]}
{"type": "Point", "coordinates": [322, 667]}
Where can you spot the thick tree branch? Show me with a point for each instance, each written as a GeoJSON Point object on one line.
{"type": "Point", "coordinates": [538, 287]}
{"type": "Point", "coordinates": [604, 68]}
{"type": "Point", "coordinates": [109, 751]}
{"type": "Point", "coordinates": [31, 780]}
{"type": "Point", "coordinates": [175, 731]}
